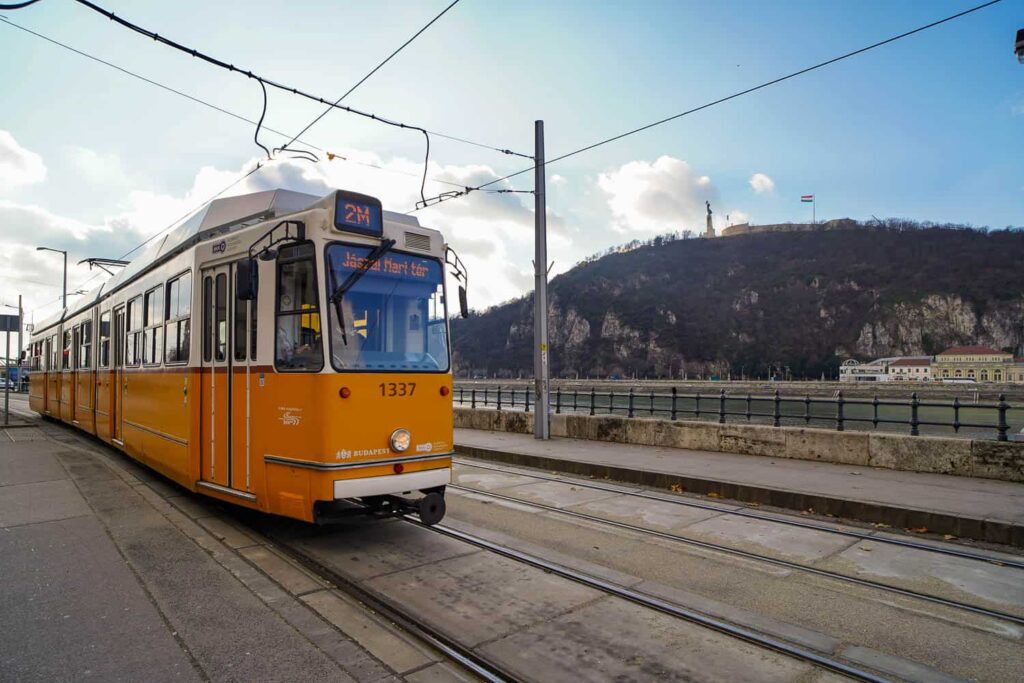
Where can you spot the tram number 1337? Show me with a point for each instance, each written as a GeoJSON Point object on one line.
{"type": "Point", "coordinates": [397, 389]}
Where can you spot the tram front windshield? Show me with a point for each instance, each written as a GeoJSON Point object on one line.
{"type": "Point", "coordinates": [393, 318]}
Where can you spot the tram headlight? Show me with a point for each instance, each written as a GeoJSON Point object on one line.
{"type": "Point", "coordinates": [400, 440]}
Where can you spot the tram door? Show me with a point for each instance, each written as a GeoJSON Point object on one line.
{"type": "Point", "coordinates": [216, 436]}
{"type": "Point", "coordinates": [117, 394]}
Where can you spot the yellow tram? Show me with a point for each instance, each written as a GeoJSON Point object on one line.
{"type": "Point", "coordinates": [277, 350]}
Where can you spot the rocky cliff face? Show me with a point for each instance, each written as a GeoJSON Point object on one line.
{"type": "Point", "coordinates": [804, 300]}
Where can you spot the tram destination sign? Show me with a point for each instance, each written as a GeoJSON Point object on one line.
{"type": "Point", "coordinates": [8, 323]}
{"type": "Point", "coordinates": [358, 213]}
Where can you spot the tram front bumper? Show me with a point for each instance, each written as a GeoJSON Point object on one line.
{"type": "Point", "coordinates": [392, 483]}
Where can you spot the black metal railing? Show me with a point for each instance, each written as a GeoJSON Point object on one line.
{"type": "Point", "coordinates": [975, 419]}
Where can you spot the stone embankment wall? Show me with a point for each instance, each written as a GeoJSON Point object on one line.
{"type": "Point", "coordinates": [962, 457]}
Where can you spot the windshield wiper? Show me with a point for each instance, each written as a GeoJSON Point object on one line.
{"type": "Point", "coordinates": [354, 277]}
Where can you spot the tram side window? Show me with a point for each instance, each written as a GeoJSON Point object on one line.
{"type": "Point", "coordinates": [85, 345]}
{"type": "Point", "coordinates": [207, 319]}
{"type": "Point", "coordinates": [104, 343]}
{"type": "Point", "coordinates": [298, 339]}
{"type": "Point", "coordinates": [240, 340]}
{"type": "Point", "coordinates": [221, 317]}
{"type": "Point", "coordinates": [54, 353]}
{"type": "Point", "coordinates": [133, 337]}
{"type": "Point", "coordinates": [153, 348]}
{"type": "Point", "coordinates": [179, 318]}
{"type": "Point", "coordinates": [65, 362]}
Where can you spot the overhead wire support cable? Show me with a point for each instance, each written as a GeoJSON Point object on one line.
{"type": "Point", "coordinates": [362, 80]}
{"type": "Point", "coordinates": [266, 81]}
{"type": "Point", "coordinates": [330, 155]}
{"type": "Point", "coordinates": [440, 198]}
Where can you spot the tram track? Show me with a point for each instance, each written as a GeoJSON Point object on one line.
{"type": "Point", "coordinates": [462, 655]}
{"type": "Point", "coordinates": [744, 633]}
{"type": "Point", "coordinates": [757, 557]}
{"type": "Point", "coordinates": [743, 512]}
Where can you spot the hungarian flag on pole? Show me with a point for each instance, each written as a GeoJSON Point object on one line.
{"type": "Point", "coordinates": [808, 198]}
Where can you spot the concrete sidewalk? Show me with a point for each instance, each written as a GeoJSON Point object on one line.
{"type": "Point", "coordinates": [111, 573]}
{"type": "Point", "coordinates": [981, 509]}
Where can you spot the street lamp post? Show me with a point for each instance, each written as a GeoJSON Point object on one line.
{"type": "Point", "coordinates": [64, 290]}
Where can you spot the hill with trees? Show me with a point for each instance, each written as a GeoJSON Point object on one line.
{"type": "Point", "coordinates": [804, 300]}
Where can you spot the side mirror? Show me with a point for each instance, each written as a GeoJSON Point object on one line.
{"type": "Point", "coordinates": [463, 306]}
{"type": "Point", "coordinates": [247, 279]}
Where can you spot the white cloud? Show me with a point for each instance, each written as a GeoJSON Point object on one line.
{"type": "Point", "coordinates": [103, 169]}
{"type": "Point", "coordinates": [493, 233]}
{"type": "Point", "coordinates": [18, 166]}
{"type": "Point", "coordinates": [761, 183]}
{"type": "Point", "coordinates": [657, 197]}
{"type": "Point", "coordinates": [557, 180]}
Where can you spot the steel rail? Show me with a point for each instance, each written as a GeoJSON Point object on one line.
{"type": "Point", "coordinates": [708, 545]}
{"type": "Point", "coordinates": [463, 655]}
{"type": "Point", "coordinates": [665, 498]}
{"type": "Point", "coordinates": [741, 632]}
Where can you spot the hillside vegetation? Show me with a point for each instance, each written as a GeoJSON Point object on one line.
{"type": "Point", "coordinates": [802, 300]}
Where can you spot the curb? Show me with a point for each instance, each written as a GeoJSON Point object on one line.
{"type": "Point", "coordinates": [991, 531]}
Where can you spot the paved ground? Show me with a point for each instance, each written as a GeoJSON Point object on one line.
{"type": "Point", "coordinates": [111, 573]}
{"type": "Point", "coordinates": [935, 496]}
{"type": "Point", "coordinates": [103, 560]}
{"type": "Point", "coordinates": [914, 639]}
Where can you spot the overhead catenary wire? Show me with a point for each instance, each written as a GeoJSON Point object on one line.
{"type": "Point", "coordinates": [433, 201]}
{"type": "Point", "coordinates": [331, 155]}
{"type": "Point", "coordinates": [362, 80]}
{"type": "Point", "coordinates": [275, 84]}
{"type": "Point", "coordinates": [174, 223]}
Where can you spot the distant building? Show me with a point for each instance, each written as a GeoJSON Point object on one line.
{"type": "Point", "coordinates": [979, 363]}
{"type": "Point", "coordinates": [956, 364]}
{"type": "Point", "coordinates": [911, 370]}
{"type": "Point", "coordinates": [874, 371]}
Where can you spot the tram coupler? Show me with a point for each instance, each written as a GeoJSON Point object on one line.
{"type": "Point", "coordinates": [430, 508]}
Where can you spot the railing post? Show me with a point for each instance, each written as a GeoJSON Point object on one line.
{"type": "Point", "coordinates": [839, 410]}
{"type": "Point", "coordinates": [527, 395]}
{"type": "Point", "coordinates": [499, 398]}
{"type": "Point", "coordinates": [592, 396]}
{"type": "Point", "coordinates": [721, 406]}
{"type": "Point", "coordinates": [956, 414]}
{"type": "Point", "coordinates": [629, 412]}
{"type": "Point", "coordinates": [574, 393]}
{"type": "Point", "coordinates": [748, 406]}
{"type": "Point", "coordinates": [472, 396]}
{"type": "Point", "coordinates": [914, 430]}
{"type": "Point", "coordinates": [777, 415]}
{"type": "Point", "coordinates": [674, 396]}
{"type": "Point", "coordinates": [558, 400]}
{"type": "Point", "coordinates": [652, 401]}
{"type": "Point", "coordinates": [807, 409]}
{"type": "Point", "coordinates": [462, 395]}
{"type": "Point", "coordinates": [611, 402]}
{"type": "Point", "coordinates": [697, 407]}
{"type": "Point", "coordinates": [1003, 427]}
{"type": "Point", "coordinates": [487, 396]}
{"type": "Point", "coordinates": [874, 420]}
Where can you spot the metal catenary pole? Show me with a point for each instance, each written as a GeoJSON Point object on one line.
{"type": "Point", "coordinates": [7, 378]}
{"type": "Point", "coordinates": [21, 326]}
{"type": "Point", "coordinates": [541, 418]}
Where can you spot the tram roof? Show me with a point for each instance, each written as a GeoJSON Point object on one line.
{"type": "Point", "coordinates": [220, 216]}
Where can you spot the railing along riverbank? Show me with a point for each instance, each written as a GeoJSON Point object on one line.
{"type": "Point", "coordinates": [987, 420]}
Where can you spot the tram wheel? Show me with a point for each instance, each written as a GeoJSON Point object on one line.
{"type": "Point", "coordinates": [432, 508]}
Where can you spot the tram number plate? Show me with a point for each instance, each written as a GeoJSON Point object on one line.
{"type": "Point", "coordinates": [397, 389]}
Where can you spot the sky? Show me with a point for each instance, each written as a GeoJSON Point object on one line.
{"type": "Point", "coordinates": [95, 161]}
